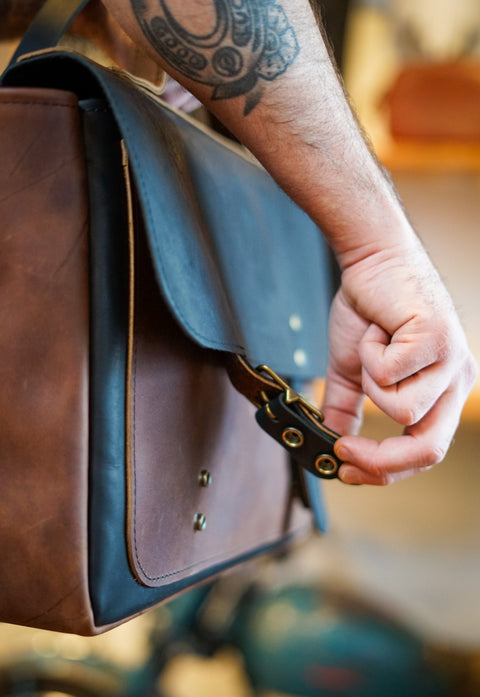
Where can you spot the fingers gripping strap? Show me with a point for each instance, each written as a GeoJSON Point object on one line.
{"type": "Point", "coordinates": [287, 417]}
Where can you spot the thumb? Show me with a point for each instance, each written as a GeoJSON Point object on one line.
{"type": "Point", "coordinates": [342, 404]}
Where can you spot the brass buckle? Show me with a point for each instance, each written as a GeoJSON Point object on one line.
{"type": "Point", "coordinates": [291, 396]}
{"type": "Point", "coordinates": [287, 417]}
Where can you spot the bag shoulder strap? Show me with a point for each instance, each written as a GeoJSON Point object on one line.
{"type": "Point", "coordinates": [49, 25]}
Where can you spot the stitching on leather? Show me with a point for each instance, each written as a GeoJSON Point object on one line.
{"type": "Point", "coordinates": [185, 321]}
{"type": "Point", "coordinates": [225, 556]}
{"type": "Point", "coordinates": [229, 555]}
{"type": "Point", "coordinates": [134, 448]}
{"type": "Point", "coordinates": [23, 103]}
{"type": "Point", "coordinates": [213, 344]}
{"type": "Point", "coordinates": [138, 171]}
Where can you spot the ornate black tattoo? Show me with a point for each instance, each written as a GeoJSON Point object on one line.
{"type": "Point", "coordinates": [252, 40]}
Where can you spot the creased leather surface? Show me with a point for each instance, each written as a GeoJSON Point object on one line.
{"type": "Point", "coordinates": [254, 260]}
{"type": "Point", "coordinates": [43, 362]}
{"type": "Point", "coordinates": [186, 417]}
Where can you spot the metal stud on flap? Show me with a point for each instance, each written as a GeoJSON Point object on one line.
{"type": "Point", "coordinates": [300, 358]}
{"type": "Point", "coordinates": [199, 522]}
{"type": "Point", "coordinates": [204, 478]}
{"type": "Point", "coordinates": [295, 323]}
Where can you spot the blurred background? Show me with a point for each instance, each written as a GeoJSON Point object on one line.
{"type": "Point", "coordinates": [395, 584]}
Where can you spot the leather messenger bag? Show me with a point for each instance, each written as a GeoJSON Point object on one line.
{"type": "Point", "coordinates": [145, 265]}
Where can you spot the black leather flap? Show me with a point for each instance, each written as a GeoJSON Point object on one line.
{"type": "Point", "coordinates": [242, 268]}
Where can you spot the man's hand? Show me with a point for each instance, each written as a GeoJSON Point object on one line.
{"type": "Point", "coordinates": [395, 337]}
{"type": "Point", "coordinates": [263, 68]}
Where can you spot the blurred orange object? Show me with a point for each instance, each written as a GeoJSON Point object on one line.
{"type": "Point", "coordinates": [436, 101]}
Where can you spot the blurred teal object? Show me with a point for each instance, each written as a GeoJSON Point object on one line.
{"type": "Point", "coordinates": [306, 642]}
{"type": "Point", "coordinates": [302, 641]}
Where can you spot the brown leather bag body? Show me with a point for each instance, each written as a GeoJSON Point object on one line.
{"type": "Point", "coordinates": [138, 253]}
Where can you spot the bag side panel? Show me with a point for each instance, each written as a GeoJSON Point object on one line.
{"type": "Point", "coordinates": [187, 418]}
{"type": "Point", "coordinates": [111, 582]}
{"type": "Point", "coordinates": [115, 591]}
{"type": "Point", "coordinates": [44, 362]}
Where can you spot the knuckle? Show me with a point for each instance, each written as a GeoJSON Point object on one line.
{"type": "Point", "coordinates": [444, 345]}
{"type": "Point", "coordinates": [471, 371]}
{"type": "Point", "coordinates": [405, 416]}
{"type": "Point", "coordinates": [433, 455]}
{"type": "Point", "coordinates": [382, 375]}
{"type": "Point", "coordinates": [381, 476]}
{"type": "Point", "coordinates": [393, 369]}
{"type": "Point", "coordinates": [399, 363]}
{"type": "Point", "coordinates": [378, 370]}
{"type": "Point", "coordinates": [386, 479]}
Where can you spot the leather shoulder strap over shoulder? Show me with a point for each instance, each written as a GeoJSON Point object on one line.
{"type": "Point", "coordinates": [49, 25]}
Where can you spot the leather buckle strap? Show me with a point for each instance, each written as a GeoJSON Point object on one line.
{"type": "Point", "coordinates": [288, 417]}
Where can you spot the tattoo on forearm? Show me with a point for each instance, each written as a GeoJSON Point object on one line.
{"type": "Point", "coordinates": [252, 40]}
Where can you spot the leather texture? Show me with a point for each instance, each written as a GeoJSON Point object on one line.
{"type": "Point", "coordinates": [186, 418]}
{"type": "Point", "coordinates": [248, 284]}
{"type": "Point", "coordinates": [280, 409]}
{"type": "Point", "coordinates": [50, 24]}
{"type": "Point", "coordinates": [44, 361]}
{"type": "Point", "coordinates": [309, 443]}
{"type": "Point", "coordinates": [76, 477]}
{"type": "Point", "coordinates": [170, 448]}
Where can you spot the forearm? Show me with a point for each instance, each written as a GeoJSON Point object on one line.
{"type": "Point", "coordinates": [263, 68]}
{"type": "Point", "coordinates": [394, 334]}
{"type": "Point", "coordinates": [292, 115]}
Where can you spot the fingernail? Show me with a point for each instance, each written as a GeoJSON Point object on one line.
{"type": "Point", "coordinates": [349, 475]}
{"type": "Point", "coordinates": [343, 453]}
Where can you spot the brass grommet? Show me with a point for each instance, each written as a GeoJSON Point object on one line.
{"type": "Point", "coordinates": [204, 478]}
{"type": "Point", "coordinates": [199, 522]}
{"type": "Point", "coordinates": [293, 438]}
{"type": "Point", "coordinates": [326, 465]}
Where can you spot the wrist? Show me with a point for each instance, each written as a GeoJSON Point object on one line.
{"type": "Point", "coordinates": [367, 226]}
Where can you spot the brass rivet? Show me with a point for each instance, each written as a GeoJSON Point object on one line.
{"type": "Point", "coordinates": [199, 522]}
{"type": "Point", "coordinates": [204, 478]}
{"type": "Point", "coordinates": [293, 437]}
{"type": "Point", "coordinates": [326, 464]}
